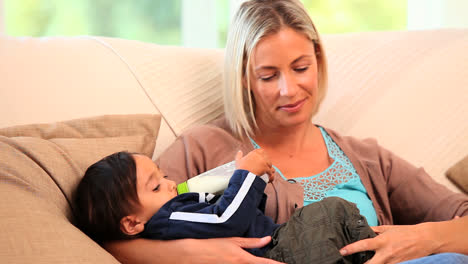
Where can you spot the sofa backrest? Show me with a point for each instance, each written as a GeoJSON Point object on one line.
{"type": "Point", "coordinates": [59, 78]}
{"type": "Point", "coordinates": [407, 89]}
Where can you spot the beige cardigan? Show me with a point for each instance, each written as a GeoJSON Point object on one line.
{"type": "Point", "coordinates": [400, 192]}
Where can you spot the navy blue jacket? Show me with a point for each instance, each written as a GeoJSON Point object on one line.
{"type": "Point", "coordinates": [238, 212]}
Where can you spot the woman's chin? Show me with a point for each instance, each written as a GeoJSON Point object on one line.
{"type": "Point", "coordinates": [285, 120]}
{"type": "Point", "coordinates": [295, 121]}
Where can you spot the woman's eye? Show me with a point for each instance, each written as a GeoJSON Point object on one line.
{"type": "Point", "coordinates": [156, 188]}
{"type": "Point", "coordinates": [267, 78]}
{"type": "Point", "coordinates": [301, 69]}
{"type": "Point", "coordinates": [165, 176]}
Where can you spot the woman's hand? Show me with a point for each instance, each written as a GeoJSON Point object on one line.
{"type": "Point", "coordinates": [215, 250]}
{"type": "Point", "coordinates": [399, 243]}
{"type": "Point", "coordinates": [395, 244]}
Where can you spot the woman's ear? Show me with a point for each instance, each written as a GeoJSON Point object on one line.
{"type": "Point", "coordinates": [131, 225]}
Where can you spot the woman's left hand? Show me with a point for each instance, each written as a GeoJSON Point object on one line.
{"type": "Point", "coordinates": [395, 243]}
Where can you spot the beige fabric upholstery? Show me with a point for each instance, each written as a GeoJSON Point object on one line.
{"type": "Point", "coordinates": [41, 166]}
{"type": "Point", "coordinates": [183, 84]}
{"type": "Point", "coordinates": [406, 89]}
{"type": "Point", "coordinates": [52, 79]}
{"type": "Point", "coordinates": [458, 174]}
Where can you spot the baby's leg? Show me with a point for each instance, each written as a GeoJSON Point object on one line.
{"type": "Point", "coordinates": [316, 232]}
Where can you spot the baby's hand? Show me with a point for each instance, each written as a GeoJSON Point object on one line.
{"type": "Point", "coordinates": [257, 162]}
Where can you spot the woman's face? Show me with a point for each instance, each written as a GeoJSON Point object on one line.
{"type": "Point", "coordinates": [283, 79]}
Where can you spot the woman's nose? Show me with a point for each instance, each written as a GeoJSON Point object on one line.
{"type": "Point", "coordinates": [287, 85]}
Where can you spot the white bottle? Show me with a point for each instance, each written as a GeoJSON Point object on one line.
{"type": "Point", "coordinates": [214, 181]}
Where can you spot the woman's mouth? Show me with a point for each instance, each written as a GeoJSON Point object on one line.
{"type": "Point", "coordinates": [292, 108]}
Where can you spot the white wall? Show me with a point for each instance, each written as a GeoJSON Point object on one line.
{"type": "Point", "coordinates": [429, 14]}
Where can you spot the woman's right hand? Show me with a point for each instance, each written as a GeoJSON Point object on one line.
{"type": "Point", "coordinates": [214, 250]}
{"type": "Point", "coordinates": [398, 243]}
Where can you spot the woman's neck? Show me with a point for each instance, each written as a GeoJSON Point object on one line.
{"type": "Point", "coordinates": [288, 139]}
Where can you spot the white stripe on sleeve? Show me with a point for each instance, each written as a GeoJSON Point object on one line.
{"type": "Point", "coordinates": [230, 210]}
{"type": "Point", "coordinates": [201, 197]}
{"type": "Point", "coordinates": [209, 197]}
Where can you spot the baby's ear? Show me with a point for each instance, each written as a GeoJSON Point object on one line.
{"type": "Point", "coordinates": [131, 225]}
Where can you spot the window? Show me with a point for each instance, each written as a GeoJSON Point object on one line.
{"type": "Point", "coordinates": [342, 16]}
{"type": "Point", "coordinates": [147, 20]}
{"type": "Point", "coordinates": [204, 23]}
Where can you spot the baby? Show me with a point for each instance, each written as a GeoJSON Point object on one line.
{"type": "Point", "coordinates": [127, 196]}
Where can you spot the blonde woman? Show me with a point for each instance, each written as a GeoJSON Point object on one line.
{"type": "Point", "coordinates": [275, 79]}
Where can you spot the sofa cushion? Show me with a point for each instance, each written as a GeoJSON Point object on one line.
{"type": "Point", "coordinates": [184, 84]}
{"type": "Point", "coordinates": [458, 174]}
{"type": "Point", "coordinates": [407, 89]}
{"type": "Point", "coordinates": [40, 166]}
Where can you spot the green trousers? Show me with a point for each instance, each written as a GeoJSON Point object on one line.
{"type": "Point", "coordinates": [316, 233]}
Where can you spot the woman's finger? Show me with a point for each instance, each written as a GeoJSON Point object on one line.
{"type": "Point", "coordinates": [359, 246]}
{"type": "Point", "coordinates": [382, 228]}
{"type": "Point", "coordinates": [244, 242]}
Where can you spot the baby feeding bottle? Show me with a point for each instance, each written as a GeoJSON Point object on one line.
{"type": "Point", "coordinates": [214, 181]}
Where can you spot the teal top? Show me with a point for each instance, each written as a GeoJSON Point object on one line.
{"type": "Point", "coordinates": [340, 179]}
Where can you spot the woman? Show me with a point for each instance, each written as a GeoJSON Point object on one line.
{"type": "Point", "coordinates": [275, 79]}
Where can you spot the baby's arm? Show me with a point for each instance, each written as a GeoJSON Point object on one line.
{"type": "Point", "coordinates": [231, 215]}
{"type": "Point", "coordinates": [192, 215]}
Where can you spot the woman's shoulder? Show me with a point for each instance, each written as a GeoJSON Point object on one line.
{"type": "Point", "coordinates": [366, 150]}
{"type": "Point", "coordinates": [212, 143]}
{"type": "Point", "coordinates": [198, 149]}
{"type": "Point", "coordinates": [216, 126]}
{"type": "Point", "coordinates": [215, 131]}
{"type": "Point", "coordinates": [356, 144]}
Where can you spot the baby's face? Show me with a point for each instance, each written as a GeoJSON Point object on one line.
{"type": "Point", "coordinates": [153, 189]}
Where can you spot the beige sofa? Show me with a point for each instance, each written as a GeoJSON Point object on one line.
{"type": "Point", "coordinates": [407, 89]}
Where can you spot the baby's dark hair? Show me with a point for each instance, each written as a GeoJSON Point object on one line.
{"type": "Point", "coordinates": [107, 193]}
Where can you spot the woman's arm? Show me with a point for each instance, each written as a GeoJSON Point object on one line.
{"type": "Point", "coordinates": [453, 235]}
{"type": "Point", "coordinates": [399, 243]}
{"type": "Point", "coordinates": [216, 250]}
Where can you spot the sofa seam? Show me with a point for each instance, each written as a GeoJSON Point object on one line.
{"type": "Point", "coordinates": [133, 72]}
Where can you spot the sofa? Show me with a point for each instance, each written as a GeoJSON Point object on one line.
{"type": "Point", "coordinates": [65, 102]}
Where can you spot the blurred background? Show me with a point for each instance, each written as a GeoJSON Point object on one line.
{"type": "Point", "coordinates": [203, 23]}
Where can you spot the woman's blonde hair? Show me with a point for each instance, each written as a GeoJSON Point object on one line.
{"type": "Point", "coordinates": [255, 20]}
